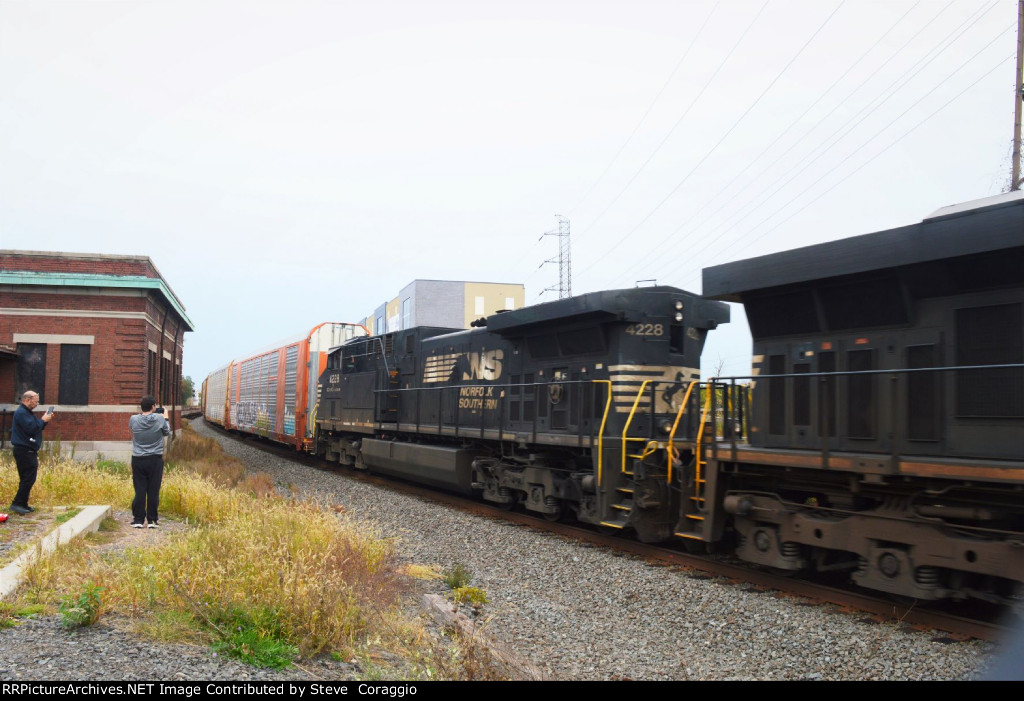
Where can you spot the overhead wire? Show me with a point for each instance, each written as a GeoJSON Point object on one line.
{"type": "Point", "coordinates": [722, 139]}
{"type": "Point", "coordinates": [801, 166]}
{"type": "Point", "coordinates": [884, 150]}
{"type": "Point", "coordinates": [741, 172]}
{"type": "Point", "coordinates": [647, 112]}
{"type": "Point", "coordinates": [992, 70]}
{"type": "Point", "coordinates": [681, 118]}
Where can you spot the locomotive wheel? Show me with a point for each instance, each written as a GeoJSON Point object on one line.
{"type": "Point", "coordinates": [557, 516]}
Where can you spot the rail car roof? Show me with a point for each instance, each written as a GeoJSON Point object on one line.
{"type": "Point", "coordinates": [982, 226]}
{"type": "Point", "coordinates": [610, 304]}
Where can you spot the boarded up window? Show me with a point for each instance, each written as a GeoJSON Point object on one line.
{"type": "Point", "coordinates": [74, 374]}
{"type": "Point", "coordinates": [31, 370]}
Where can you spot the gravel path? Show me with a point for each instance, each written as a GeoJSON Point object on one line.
{"type": "Point", "coordinates": [576, 612]}
{"type": "Point", "coordinates": [580, 612]}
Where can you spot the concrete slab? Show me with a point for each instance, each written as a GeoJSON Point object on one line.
{"type": "Point", "coordinates": [87, 521]}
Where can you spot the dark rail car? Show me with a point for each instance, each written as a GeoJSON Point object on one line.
{"type": "Point", "coordinates": [886, 433]}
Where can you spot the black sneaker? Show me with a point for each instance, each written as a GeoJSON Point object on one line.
{"type": "Point", "coordinates": [31, 509]}
{"type": "Point", "coordinates": [18, 509]}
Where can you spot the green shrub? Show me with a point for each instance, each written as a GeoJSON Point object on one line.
{"type": "Point", "coordinates": [84, 610]}
{"type": "Point", "coordinates": [458, 576]}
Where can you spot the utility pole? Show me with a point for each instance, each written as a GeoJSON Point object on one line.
{"type": "Point", "coordinates": [564, 257]}
{"type": "Point", "coordinates": [1018, 99]}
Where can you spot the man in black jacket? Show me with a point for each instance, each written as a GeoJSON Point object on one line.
{"type": "Point", "coordinates": [27, 439]}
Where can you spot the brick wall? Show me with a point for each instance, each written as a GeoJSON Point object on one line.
{"type": "Point", "coordinates": [98, 264]}
{"type": "Point", "coordinates": [36, 300]}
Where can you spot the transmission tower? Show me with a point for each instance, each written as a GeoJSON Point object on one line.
{"type": "Point", "coordinates": [564, 258]}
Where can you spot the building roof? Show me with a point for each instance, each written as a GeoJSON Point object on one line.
{"type": "Point", "coordinates": [82, 279]}
{"type": "Point", "coordinates": [982, 226]}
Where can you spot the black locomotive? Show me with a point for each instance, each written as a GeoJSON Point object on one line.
{"type": "Point", "coordinates": [574, 405]}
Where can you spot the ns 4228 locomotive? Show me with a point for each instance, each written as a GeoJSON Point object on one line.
{"type": "Point", "coordinates": [577, 405]}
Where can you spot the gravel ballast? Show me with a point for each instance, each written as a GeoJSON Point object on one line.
{"type": "Point", "coordinates": [573, 611]}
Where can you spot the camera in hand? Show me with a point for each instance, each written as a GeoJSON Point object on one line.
{"type": "Point", "coordinates": [159, 410]}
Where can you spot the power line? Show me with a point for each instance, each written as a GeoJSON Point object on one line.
{"type": "Point", "coordinates": [877, 155]}
{"type": "Point", "coordinates": [742, 172]}
{"type": "Point", "coordinates": [680, 120]}
{"type": "Point", "coordinates": [800, 167]}
{"type": "Point", "coordinates": [647, 112]}
{"type": "Point", "coordinates": [723, 138]}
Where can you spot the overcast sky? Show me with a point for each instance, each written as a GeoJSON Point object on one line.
{"type": "Point", "coordinates": [287, 163]}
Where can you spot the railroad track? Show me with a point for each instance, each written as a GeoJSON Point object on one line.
{"type": "Point", "coordinates": [956, 625]}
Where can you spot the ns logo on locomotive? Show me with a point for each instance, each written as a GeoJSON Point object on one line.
{"type": "Point", "coordinates": [880, 435]}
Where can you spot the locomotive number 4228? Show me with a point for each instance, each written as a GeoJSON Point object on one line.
{"type": "Point", "coordinates": [645, 330]}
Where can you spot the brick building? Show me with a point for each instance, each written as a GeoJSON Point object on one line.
{"type": "Point", "coordinates": [92, 334]}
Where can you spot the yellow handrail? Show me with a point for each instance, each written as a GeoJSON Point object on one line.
{"type": "Point", "coordinates": [675, 425]}
{"type": "Point", "coordinates": [700, 435]}
{"type": "Point", "coordinates": [629, 420]}
{"type": "Point", "coordinates": [600, 435]}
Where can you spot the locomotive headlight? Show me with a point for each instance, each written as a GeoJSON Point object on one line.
{"type": "Point", "coordinates": [666, 426]}
{"type": "Point", "coordinates": [679, 316]}
{"type": "Point", "coordinates": [679, 304]}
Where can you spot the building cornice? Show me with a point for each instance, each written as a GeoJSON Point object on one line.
{"type": "Point", "coordinates": [158, 285]}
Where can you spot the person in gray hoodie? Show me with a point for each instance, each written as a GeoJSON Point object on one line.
{"type": "Point", "coordinates": [148, 431]}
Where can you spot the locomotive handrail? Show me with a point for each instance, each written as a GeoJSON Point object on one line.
{"type": "Point", "coordinates": [629, 420]}
{"type": "Point", "coordinates": [600, 434]}
{"type": "Point", "coordinates": [943, 368]}
{"type": "Point", "coordinates": [697, 462]}
{"type": "Point", "coordinates": [675, 426]}
{"type": "Point", "coordinates": [891, 437]}
{"type": "Point", "coordinates": [444, 389]}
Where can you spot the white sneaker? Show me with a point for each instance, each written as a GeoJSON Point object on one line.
{"type": "Point", "coordinates": [136, 525]}
{"type": "Point", "coordinates": [152, 525]}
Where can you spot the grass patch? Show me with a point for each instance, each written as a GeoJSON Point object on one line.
{"type": "Point", "coordinates": [425, 572]}
{"type": "Point", "coordinates": [109, 525]}
{"type": "Point", "coordinates": [255, 636]}
{"type": "Point", "coordinates": [114, 467]}
{"type": "Point", "coordinates": [262, 578]}
{"type": "Point", "coordinates": [258, 577]}
{"type": "Point", "coordinates": [67, 515]}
